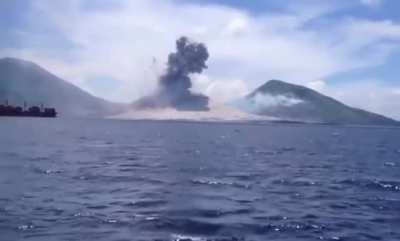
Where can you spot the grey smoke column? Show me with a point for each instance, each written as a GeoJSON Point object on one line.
{"type": "Point", "coordinates": [189, 58]}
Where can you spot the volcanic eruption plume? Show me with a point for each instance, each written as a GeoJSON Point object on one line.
{"type": "Point", "coordinates": [174, 85]}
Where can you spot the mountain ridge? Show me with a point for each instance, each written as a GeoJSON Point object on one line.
{"type": "Point", "coordinates": [24, 81]}
{"type": "Point", "coordinates": [296, 102]}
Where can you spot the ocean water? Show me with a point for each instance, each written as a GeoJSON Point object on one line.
{"type": "Point", "coordinates": [136, 180]}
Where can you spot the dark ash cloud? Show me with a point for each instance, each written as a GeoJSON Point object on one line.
{"type": "Point", "coordinates": [174, 85]}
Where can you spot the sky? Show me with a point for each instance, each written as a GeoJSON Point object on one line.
{"type": "Point", "coordinates": [116, 49]}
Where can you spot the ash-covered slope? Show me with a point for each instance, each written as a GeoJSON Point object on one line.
{"type": "Point", "coordinates": [25, 81]}
{"type": "Point", "coordinates": [294, 102]}
{"type": "Point", "coordinates": [215, 112]}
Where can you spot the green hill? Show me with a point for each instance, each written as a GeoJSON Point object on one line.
{"type": "Point", "coordinates": [25, 81]}
{"type": "Point", "coordinates": [294, 102]}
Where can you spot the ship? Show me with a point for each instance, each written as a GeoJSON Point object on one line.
{"type": "Point", "coordinates": [32, 111]}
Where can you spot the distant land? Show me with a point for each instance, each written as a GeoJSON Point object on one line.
{"type": "Point", "coordinates": [298, 103]}
{"type": "Point", "coordinates": [23, 81]}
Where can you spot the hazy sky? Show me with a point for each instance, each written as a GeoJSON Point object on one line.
{"type": "Point", "coordinates": [349, 49]}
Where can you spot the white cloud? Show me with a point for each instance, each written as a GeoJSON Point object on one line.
{"type": "Point", "coordinates": [368, 31]}
{"type": "Point", "coordinates": [220, 90]}
{"type": "Point", "coordinates": [396, 91]}
{"type": "Point", "coordinates": [317, 85]}
{"type": "Point", "coordinates": [245, 50]}
{"type": "Point", "coordinates": [237, 26]}
{"type": "Point", "coordinates": [261, 101]}
{"type": "Point", "coordinates": [371, 3]}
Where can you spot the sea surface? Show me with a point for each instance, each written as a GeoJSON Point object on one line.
{"type": "Point", "coordinates": [113, 180]}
